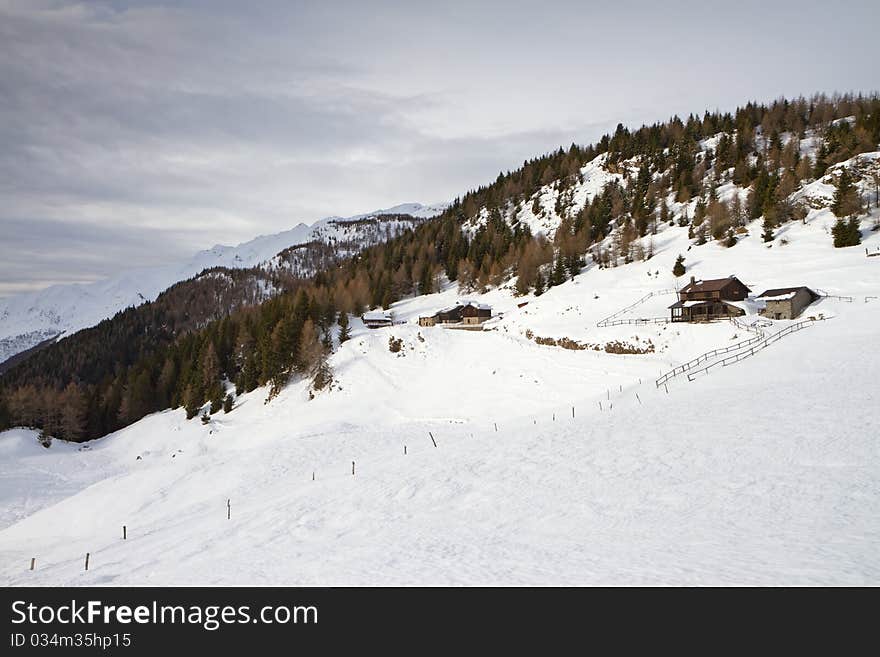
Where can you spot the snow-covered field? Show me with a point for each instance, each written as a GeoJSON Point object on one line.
{"type": "Point", "coordinates": [765, 472]}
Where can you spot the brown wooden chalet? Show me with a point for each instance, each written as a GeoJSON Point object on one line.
{"type": "Point", "coordinates": [475, 313]}
{"type": "Point", "coordinates": [702, 301]}
{"type": "Point", "coordinates": [464, 312]}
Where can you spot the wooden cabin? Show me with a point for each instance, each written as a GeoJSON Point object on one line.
{"type": "Point", "coordinates": [706, 300]}
{"type": "Point", "coordinates": [475, 313]}
{"type": "Point", "coordinates": [464, 312]}
{"type": "Point", "coordinates": [787, 302]}
{"type": "Point", "coordinates": [376, 319]}
{"type": "Point", "coordinates": [451, 315]}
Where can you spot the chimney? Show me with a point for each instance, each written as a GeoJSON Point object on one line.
{"type": "Point", "coordinates": [693, 280]}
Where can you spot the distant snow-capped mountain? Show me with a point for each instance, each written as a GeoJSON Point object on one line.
{"type": "Point", "coordinates": [29, 319]}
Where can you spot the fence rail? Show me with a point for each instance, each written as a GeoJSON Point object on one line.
{"type": "Point", "coordinates": [751, 351]}
{"type": "Point", "coordinates": [823, 294]}
{"type": "Point", "coordinates": [636, 320]}
{"type": "Point", "coordinates": [612, 320]}
{"type": "Point", "coordinates": [702, 358]}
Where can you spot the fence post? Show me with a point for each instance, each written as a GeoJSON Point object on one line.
{"type": "Point", "coordinates": [124, 533]}
{"type": "Point", "coordinates": [352, 468]}
{"type": "Point", "coordinates": [404, 450]}
{"type": "Point", "coordinates": [87, 560]}
{"type": "Point", "coordinates": [432, 438]}
{"type": "Point", "coordinates": [33, 562]}
{"type": "Point", "coordinates": [228, 509]}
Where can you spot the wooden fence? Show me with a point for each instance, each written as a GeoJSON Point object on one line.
{"type": "Point", "coordinates": [702, 358]}
{"type": "Point", "coordinates": [755, 348]}
{"type": "Point", "coordinates": [612, 320]}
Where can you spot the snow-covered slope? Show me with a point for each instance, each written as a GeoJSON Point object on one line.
{"type": "Point", "coordinates": [551, 465]}
{"type": "Point", "coordinates": [28, 319]}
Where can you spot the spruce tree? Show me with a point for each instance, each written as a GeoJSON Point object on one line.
{"type": "Point", "coordinates": [344, 330]}
{"type": "Point", "coordinates": [558, 276]}
{"type": "Point", "coordinates": [846, 233]}
{"type": "Point", "coordinates": [767, 235]}
{"type": "Point", "coordinates": [678, 270]}
{"type": "Point", "coordinates": [192, 401]}
{"type": "Point", "coordinates": [846, 199]}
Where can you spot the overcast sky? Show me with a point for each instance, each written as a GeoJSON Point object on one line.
{"type": "Point", "coordinates": [136, 133]}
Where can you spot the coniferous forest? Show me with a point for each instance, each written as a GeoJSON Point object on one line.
{"type": "Point", "coordinates": [222, 328]}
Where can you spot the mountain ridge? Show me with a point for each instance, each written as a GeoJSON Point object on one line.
{"type": "Point", "coordinates": [31, 318]}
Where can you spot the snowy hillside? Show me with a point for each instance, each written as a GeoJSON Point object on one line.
{"type": "Point", "coordinates": [28, 319]}
{"type": "Point", "coordinates": [545, 210]}
{"type": "Point", "coordinates": [551, 465]}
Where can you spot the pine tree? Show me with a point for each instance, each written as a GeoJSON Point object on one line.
{"type": "Point", "coordinates": [730, 240]}
{"type": "Point", "coordinates": [558, 276]}
{"type": "Point", "coordinates": [846, 199]}
{"type": "Point", "coordinates": [767, 234]}
{"type": "Point", "coordinates": [344, 329]}
{"type": "Point", "coordinates": [846, 233]}
{"type": "Point", "coordinates": [210, 376]}
{"type": "Point", "coordinates": [539, 284]}
{"type": "Point", "coordinates": [228, 403]}
{"type": "Point", "coordinates": [678, 270]}
{"type": "Point", "coordinates": [73, 413]}
{"type": "Point", "coordinates": [137, 398]}
{"type": "Point", "coordinates": [192, 401]}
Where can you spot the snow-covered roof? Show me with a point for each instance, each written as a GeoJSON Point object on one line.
{"type": "Point", "coordinates": [376, 315]}
{"type": "Point", "coordinates": [475, 304]}
{"type": "Point", "coordinates": [779, 297]}
{"type": "Point", "coordinates": [785, 293]}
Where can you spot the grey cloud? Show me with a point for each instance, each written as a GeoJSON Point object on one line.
{"type": "Point", "coordinates": [129, 124]}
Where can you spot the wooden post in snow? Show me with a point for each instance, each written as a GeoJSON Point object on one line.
{"type": "Point", "coordinates": [572, 412]}
{"type": "Point", "coordinates": [640, 400]}
{"type": "Point", "coordinates": [313, 475]}
{"type": "Point", "coordinates": [667, 388]}
{"type": "Point", "coordinates": [87, 560]}
{"type": "Point", "coordinates": [432, 438]}
{"type": "Point", "coordinates": [124, 533]}
{"type": "Point", "coordinates": [496, 426]}
{"type": "Point", "coordinates": [352, 468]}
{"type": "Point", "coordinates": [33, 562]}
{"type": "Point", "coordinates": [554, 417]}
{"type": "Point", "coordinates": [228, 509]}
{"type": "Point", "coordinates": [404, 450]}
{"type": "Point", "coordinates": [600, 405]}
